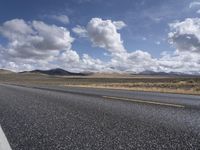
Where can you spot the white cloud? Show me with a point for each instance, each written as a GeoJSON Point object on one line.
{"type": "Point", "coordinates": [35, 44]}
{"type": "Point", "coordinates": [53, 37]}
{"type": "Point", "coordinates": [185, 62]}
{"type": "Point", "coordinates": [103, 33]}
{"type": "Point", "coordinates": [14, 27]}
{"type": "Point", "coordinates": [185, 35]}
{"type": "Point", "coordinates": [119, 24]}
{"type": "Point", "coordinates": [68, 58]}
{"type": "Point", "coordinates": [194, 4]}
{"type": "Point", "coordinates": [91, 64]}
{"type": "Point", "coordinates": [136, 61]}
{"type": "Point", "coordinates": [81, 31]}
{"type": "Point", "coordinates": [35, 39]}
{"type": "Point", "coordinates": [61, 18]}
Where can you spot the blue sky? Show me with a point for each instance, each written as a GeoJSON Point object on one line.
{"type": "Point", "coordinates": [139, 15]}
{"type": "Point", "coordinates": [146, 23]}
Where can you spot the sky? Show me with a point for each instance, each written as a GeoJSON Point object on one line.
{"type": "Point", "coordinates": [100, 35]}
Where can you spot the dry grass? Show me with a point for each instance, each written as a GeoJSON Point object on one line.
{"type": "Point", "coordinates": [147, 89]}
{"type": "Point", "coordinates": [183, 85]}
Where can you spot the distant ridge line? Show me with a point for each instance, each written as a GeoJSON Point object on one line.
{"type": "Point", "coordinates": [57, 71]}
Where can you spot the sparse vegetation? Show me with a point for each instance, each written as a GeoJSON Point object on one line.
{"type": "Point", "coordinates": [185, 85]}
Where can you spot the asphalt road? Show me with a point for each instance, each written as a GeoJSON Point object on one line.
{"type": "Point", "coordinates": [41, 118]}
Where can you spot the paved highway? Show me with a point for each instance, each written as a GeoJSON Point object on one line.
{"type": "Point", "coordinates": [41, 118]}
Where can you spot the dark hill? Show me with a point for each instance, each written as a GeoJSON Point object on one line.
{"type": "Point", "coordinates": [57, 71]}
{"type": "Point", "coordinates": [147, 72]}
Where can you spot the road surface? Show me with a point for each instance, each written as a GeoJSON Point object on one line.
{"type": "Point", "coordinates": [41, 118]}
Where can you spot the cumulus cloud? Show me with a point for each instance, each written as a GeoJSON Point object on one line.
{"type": "Point", "coordinates": [61, 18]}
{"type": "Point", "coordinates": [53, 37]}
{"type": "Point", "coordinates": [104, 34]}
{"type": "Point", "coordinates": [136, 61]}
{"type": "Point", "coordinates": [185, 35]}
{"type": "Point", "coordinates": [80, 31]}
{"type": "Point", "coordinates": [91, 64]}
{"type": "Point", "coordinates": [34, 39]}
{"type": "Point", "coordinates": [16, 26]}
{"type": "Point", "coordinates": [184, 62]}
{"type": "Point", "coordinates": [35, 43]}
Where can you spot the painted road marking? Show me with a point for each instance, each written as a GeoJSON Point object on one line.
{"type": "Point", "coordinates": [4, 145]}
{"type": "Point", "coordinates": [145, 101]}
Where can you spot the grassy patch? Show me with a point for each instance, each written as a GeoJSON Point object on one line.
{"type": "Point", "coordinates": [184, 85]}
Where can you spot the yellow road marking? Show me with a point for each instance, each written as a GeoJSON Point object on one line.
{"type": "Point", "coordinates": [145, 102]}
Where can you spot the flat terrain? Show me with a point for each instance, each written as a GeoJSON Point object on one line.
{"type": "Point", "coordinates": [166, 84]}
{"type": "Point", "coordinates": [51, 117]}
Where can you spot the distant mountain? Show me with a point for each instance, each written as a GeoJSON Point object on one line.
{"type": "Point", "coordinates": [62, 72]}
{"type": "Point", "coordinates": [4, 71]}
{"type": "Point", "coordinates": [148, 72]}
{"type": "Point", "coordinates": [57, 71]}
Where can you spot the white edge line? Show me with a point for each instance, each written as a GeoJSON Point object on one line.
{"type": "Point", "coordinates": [4, 145]}
{"type": "Point", "coordinates": [145, 101]}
